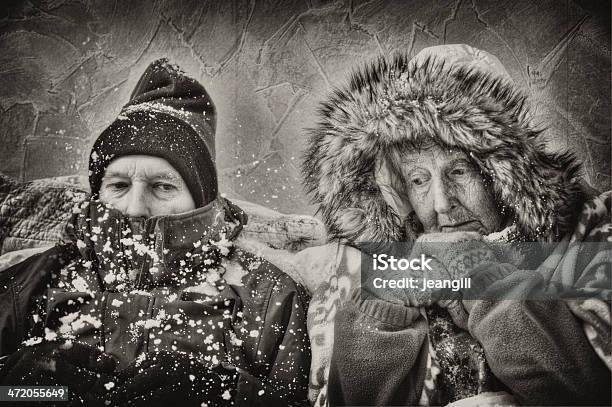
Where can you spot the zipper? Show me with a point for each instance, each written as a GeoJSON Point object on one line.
{"type": "Point", "coordinates": [147, 230]}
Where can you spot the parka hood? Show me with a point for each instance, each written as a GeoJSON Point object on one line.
{"type": "Point", "coordinates": [460, 99]}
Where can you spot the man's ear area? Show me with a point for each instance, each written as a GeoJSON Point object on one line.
{"type": "Point", "coordinates": [392, 188]}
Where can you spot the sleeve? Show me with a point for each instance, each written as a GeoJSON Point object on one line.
{"type": "Point", "coordinates": [279, 376]}
{"type": "Point", "coordinates": [8, 317]}
{"type": "Point", "coordinates": [536, 347]}
{"type": "Point", "coordinates": [21, 289]}
{"type": "Point", "coordinates": [379, 353]}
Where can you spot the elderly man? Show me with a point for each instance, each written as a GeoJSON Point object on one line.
{"type": "Point", "coordinates": [151, 302]}
{"type": "Point", "coordinates": [440, 151]}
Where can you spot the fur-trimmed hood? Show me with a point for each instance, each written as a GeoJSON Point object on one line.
{"type": "Point", "coordinates": [391, 103]}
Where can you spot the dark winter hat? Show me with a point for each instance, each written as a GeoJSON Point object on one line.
{"type": "Point", "coordinates": [171, 116]}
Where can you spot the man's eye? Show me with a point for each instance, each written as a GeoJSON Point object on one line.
{"type": "Point", "coordinates": [164, 187]}
{"type": "Point", "coordinates": [118, 186]}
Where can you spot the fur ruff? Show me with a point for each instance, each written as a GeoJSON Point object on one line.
{"type": "Point", "coordinates": [390, 105]}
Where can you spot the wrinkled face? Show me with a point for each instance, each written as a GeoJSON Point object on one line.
{"type": "Point", "coordinates": [448, 193]}
{"type": "Point", "coordinates": [141, 185]}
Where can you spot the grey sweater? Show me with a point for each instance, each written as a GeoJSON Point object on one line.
{"type": "Point", "coordinates": [537, 349]}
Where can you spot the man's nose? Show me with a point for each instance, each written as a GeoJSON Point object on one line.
{"type": "Point", "coordinates": [136, 203]}
{"type": "Point", "coordinates": [443, 197]}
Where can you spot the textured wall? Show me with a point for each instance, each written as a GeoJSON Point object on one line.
{"type": "Point", "coordinates": [67, 67]}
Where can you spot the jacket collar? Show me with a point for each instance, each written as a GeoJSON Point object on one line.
{"type": "Point", "coordinates": [139, 253]}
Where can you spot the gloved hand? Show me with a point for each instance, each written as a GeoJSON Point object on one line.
{"type": "Point", "coordinates": [459, 254]}
{"type": "Point", "coordinates": [82, 368]}
{"type": "Point", "coordinates": [445, 252]}
{"type": "Point", "coordinates": [469, 255]}
{"type": "Point", "coordinates": [172, 378]}
{"type": "Point", "coordinates": [412, 296]}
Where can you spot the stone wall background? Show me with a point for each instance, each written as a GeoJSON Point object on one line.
{"type": "Point", "coordinates": [67, 67]}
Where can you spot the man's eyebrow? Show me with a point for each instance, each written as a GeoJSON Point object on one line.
{"type": "Point", "coordinates": [164, 175]}
{"type": "Point", "coordinates": [156, 175]}
{"type": "Point", "coordinates": [115, 174]}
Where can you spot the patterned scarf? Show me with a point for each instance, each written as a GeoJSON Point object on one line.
{"type": "Point", "coordinates": [456, 363]}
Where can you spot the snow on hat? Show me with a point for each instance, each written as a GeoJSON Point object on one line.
{"type": "Point", "coordinates": [170, 116]}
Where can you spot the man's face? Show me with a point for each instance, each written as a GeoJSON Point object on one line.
{"type": "Point", "coordinates": [448, 193]}
{"type": "Point", "coordinates": [141, 185]}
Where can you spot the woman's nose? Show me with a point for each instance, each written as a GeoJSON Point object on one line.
{"type": "Point", "coordinates": [443, 197]}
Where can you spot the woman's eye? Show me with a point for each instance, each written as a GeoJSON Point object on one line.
{"type": "Point", "coordinates": [460, 171]}
{"type": "Point", "coordinates": [418, 181]}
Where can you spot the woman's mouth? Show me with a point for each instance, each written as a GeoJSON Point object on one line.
{"type": "Point", "coordinates": [469, 226]}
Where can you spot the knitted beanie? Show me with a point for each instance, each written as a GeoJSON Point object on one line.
{"type": "Point", "coordinates": [170, 116]}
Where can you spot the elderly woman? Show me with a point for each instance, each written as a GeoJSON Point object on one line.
{"type": "Point", "coordinates": [441, 148]}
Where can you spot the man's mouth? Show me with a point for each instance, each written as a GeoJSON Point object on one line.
{"type": "Point", "coordinates": [469, 225]}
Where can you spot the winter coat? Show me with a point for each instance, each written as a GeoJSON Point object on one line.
{"type": "Point", "coordinates": [367, 351]}
{"type": "Point", "coordinates": [173, 283]}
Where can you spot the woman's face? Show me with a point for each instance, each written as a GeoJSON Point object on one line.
{"type": "Point", "coordinates": [448, 193]}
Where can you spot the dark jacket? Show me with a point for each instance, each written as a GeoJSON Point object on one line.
{"type": "Point", "coordinates": [160, 297]}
